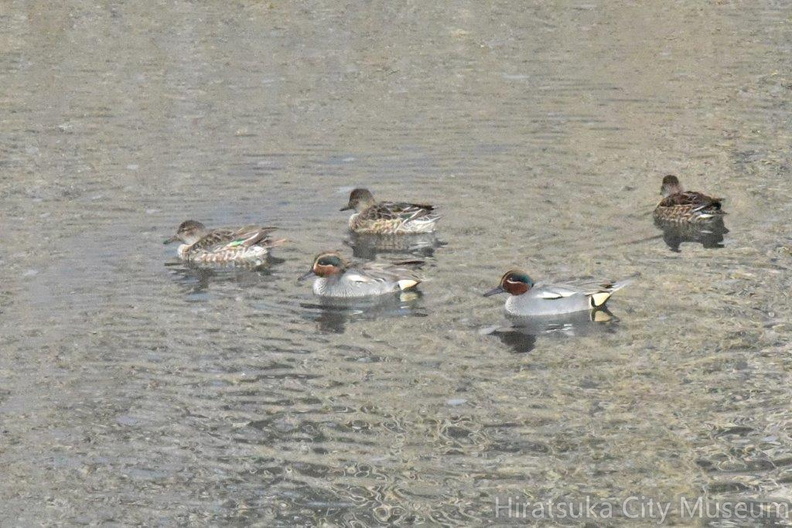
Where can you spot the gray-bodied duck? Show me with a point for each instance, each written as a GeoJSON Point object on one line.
{"type": "Point", "coordinates": [335, 277]}
{"type": "Point", "coordinates": [529, 299]}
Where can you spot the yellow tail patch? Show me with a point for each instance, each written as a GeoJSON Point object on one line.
{"type": "Point", "coordinates": [598, 299]}
{"type": "Point", "coordinates": [406, 284]}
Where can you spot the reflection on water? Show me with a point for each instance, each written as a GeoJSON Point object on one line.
{"type": "Point", "coordinates": [538, 127]}
{"type": "Point", "coordinates": [368, 246]}
{"type": "Point", "coordinates": [522, 332]}
{"type": "Point", "coordinates": [196, 279]}
{"type": "Point", "coordinates": [333, 314]}
{"type": "Point", "coordinates": [708, 234]}
{"type": "Point", "coordinates": [514, 338]}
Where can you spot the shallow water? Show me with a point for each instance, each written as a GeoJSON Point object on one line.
{"type": "Point", "coordinates": [135, 391]}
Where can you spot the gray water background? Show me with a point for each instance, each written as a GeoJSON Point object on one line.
{"type": "Point", "coordinates": [136, 392]}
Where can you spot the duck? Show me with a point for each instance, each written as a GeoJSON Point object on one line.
{"type": "Point", "coordinates": [337, 278]}
{"type": "Point", "coordinates": [679, 205]}
{"type": "Point", "coordinates": [249, 245]}
{"type": "Point", "coordinates": [388, 218]}
{"type": "Point", "coordinates": [527, 298]}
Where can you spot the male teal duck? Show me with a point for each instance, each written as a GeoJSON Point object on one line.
{"type": "Point", "coordinates": [388, 218]}
{"type": "Point", "coordinates": [679, 205]}
{"type": "Point", "coordinates": [335, 277]}
{"type": "Point", "coordinates": [529, 299]}
{"type": "Point", "coordinates": [247, 245]}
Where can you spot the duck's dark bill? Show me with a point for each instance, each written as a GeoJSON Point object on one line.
{"type": "Point", "coordinates": [303, 277]}
{"type": "Point", "coordinates": [494, 291]}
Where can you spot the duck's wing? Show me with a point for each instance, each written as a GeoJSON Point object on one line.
{"type": "Point", "coordinates": [231, 237]}
{"type": "Point", "coordinates": [251, 236]}
{"type": "Point", "coordinates": [398, 211]}
{"type": "Point", "coordinates": [403, 272]}
{"type": "Point", "coordinates": [554, 291]}
{"type": "Point", "coordinates": [698, 201]}
{"type": "Point", "coordinates": [586, 287]}
{"type": "Point", "coordinates": [597, 292]}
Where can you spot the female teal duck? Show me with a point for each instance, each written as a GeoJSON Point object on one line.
{"type": "Point", "coordinates": [388, 218]}
{"type": "Point", "coordinates": [337, 278]}
{"type": "Point", "coordinates": [247, 245]}
{"type": "Point", "coordinates": [679, 205]}
{"type": "Point", "coordinates": [529, 299]}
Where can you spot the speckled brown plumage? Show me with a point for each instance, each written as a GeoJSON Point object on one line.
{"type": "Point", "coordinates": [679, 205]}
{"type": "Point", "coordinates": [225, 245]}
{"type": "Point", "coordinates": [389, 218]}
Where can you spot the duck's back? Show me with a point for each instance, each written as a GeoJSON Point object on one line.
{"type": "Point", "coordinates": [224, 245]}
{"type": "Point", "coordinates": [548, 300]}
{"type": "Point", "coordinates": [689, 206]}
{"type": "Point", "coordinates": [366, 282]}
{"type": "Point", "coordinates": [394, 217]}
{"type": "Point", "coordinates": [558, 299]}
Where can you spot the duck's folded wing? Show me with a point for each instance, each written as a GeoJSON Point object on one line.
{"type": "Point", "coordinates": [692, 199]}
{"type": "Point", "coordinates": [555, 291]}
{"type": "Point", "coordinates": [251, 235]}
{"type": "Point", "coordinates": [359, 276]}
{"type": "Point", "coordinates": [381, 271]}
{"type": "Point", "coordinates": [215, 239]}
{"type": "Point", "coordinates": [399, 210]}
{"type": "Point", "coordinates": [585, 286]}
{"type": "Point", "coordinates": [248, 236]}
{"type": "Point", "coordinates": [230, 237]}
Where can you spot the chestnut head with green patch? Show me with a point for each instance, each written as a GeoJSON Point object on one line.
{"type": "Point", "coordinates": [670, 186]}
{"type": "Point", "coordinates": [360, 200]}
{"type": "Point", "coordinates": [514, 282]}
{"type": "Point", "coordinates": [326, 265]}
{"type": "Point", "coordinates": [189, 232]}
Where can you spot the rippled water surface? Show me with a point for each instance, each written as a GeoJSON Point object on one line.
{"type": "Point", "coordinates": [134, 390]}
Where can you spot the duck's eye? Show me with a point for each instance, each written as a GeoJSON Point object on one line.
{"type": "Point", "coordinates": [328, 261]}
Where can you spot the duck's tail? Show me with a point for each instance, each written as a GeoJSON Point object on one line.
{"type": "Point", "coordinates": [598, 299]}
